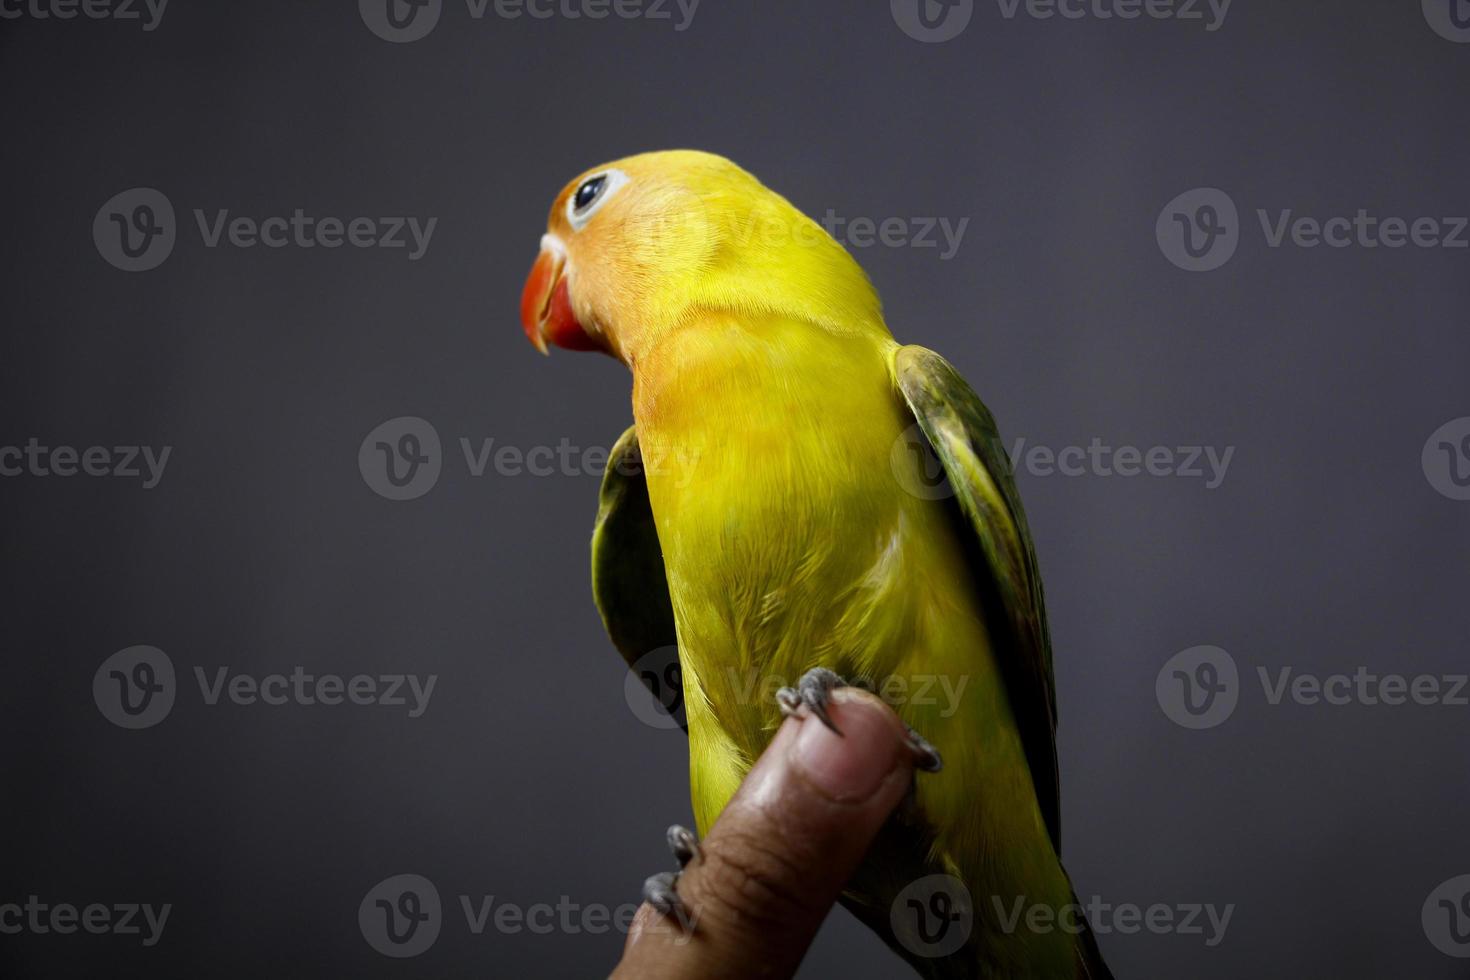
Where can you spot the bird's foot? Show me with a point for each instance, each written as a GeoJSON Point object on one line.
{"type": "Point", "coordinates": [814, 691]}
{"type": "Point", "coordinates": [662, 890]}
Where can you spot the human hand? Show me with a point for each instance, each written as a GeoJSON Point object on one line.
{"type": "Point", "coordinates": [782, 850]}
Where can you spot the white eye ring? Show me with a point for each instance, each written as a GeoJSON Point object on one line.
{"type": "Point", "coordinates": [611, 181]}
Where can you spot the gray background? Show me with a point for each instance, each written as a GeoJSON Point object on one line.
{"type": "Point", "coordinates": [529, 777]}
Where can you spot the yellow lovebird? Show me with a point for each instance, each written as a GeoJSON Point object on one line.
{"type": "Point", "coordinates": [802, 499]}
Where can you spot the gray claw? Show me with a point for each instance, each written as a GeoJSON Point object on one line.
{"type": "Point", "coordinates": [927, 758]}
{"type": "Point", "coordinates": [813, 690]}
{"type": "Point", "coordinates": [684, 844]}
{"type": "Point", "coordinates": [661, 891]}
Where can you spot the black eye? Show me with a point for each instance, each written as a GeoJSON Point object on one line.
{"type": "Point", "coordinates": [590, 197]}
{"type": "Point", "coordinates": [588, 192]}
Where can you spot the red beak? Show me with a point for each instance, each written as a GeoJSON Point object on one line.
{"type": "Point", "coordinates": [546, 307]}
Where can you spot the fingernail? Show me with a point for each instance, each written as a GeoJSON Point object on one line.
{"type": "Point", "coordinates": [850, 766]}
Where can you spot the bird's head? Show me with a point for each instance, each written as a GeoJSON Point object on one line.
{"type": "Point", "coordinates": [634, 247]}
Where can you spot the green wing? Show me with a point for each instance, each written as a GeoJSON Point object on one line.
{"type": "Point", "coordinates": [962, 433]}
{"type": "Point", "coordinates": [628, 579]}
